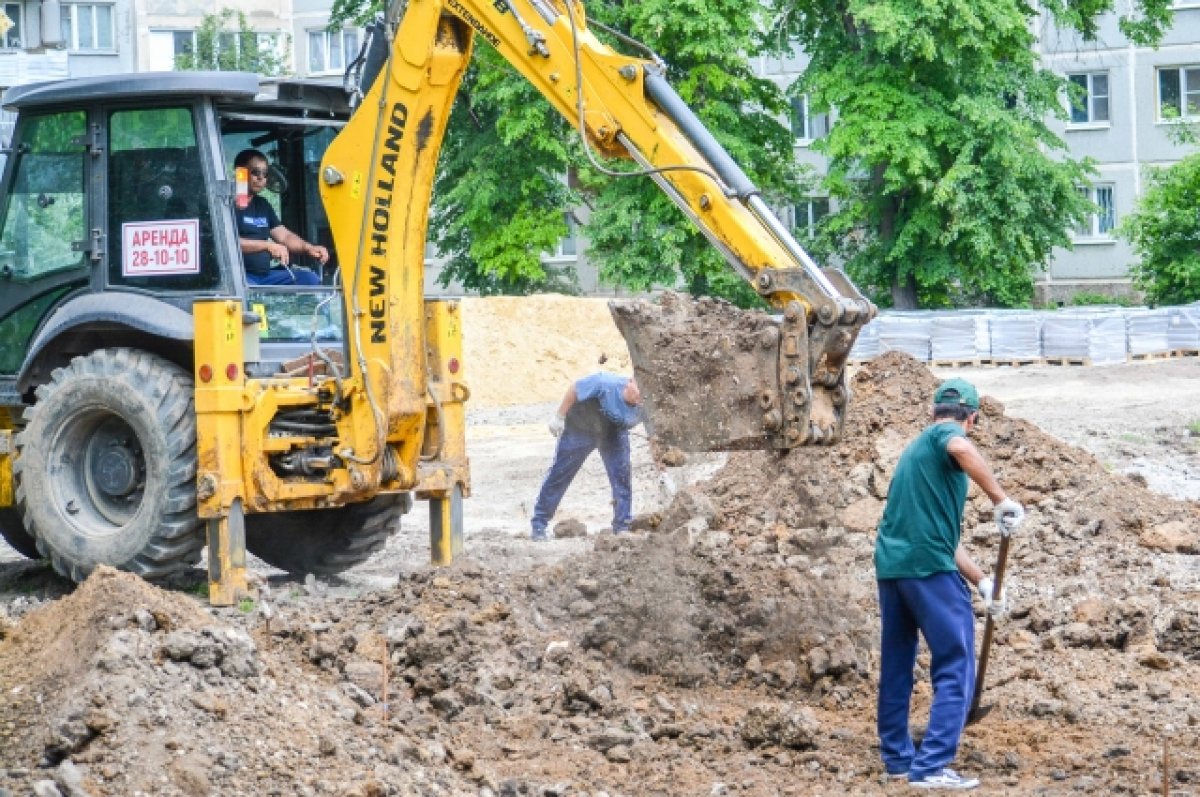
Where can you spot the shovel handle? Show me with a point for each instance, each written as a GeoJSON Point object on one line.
{"type": "Point", "coordinates": [989, 627]}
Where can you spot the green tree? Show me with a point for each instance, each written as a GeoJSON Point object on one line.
{"type": "Point", "coordinates": [501, 198]}
{"type": "Point", "coordinates": [226, 42]}
{"type": "Point", "coordinates": [1165, 233]}
{"type": "Point", "coordinates": [951, 187]}
{"type": "Point", "coordinates": [636, 235]}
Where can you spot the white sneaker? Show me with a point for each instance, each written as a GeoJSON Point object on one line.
{"type": "Point", "coordinates": [947, 779]}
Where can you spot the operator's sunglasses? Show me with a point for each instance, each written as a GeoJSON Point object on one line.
{"type": "Point", "coordinates": [259, 173]}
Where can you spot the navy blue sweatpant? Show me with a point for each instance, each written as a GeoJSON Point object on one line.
{"type": "Point", "coordinates": [574, 446]}
{"type": "Point", "coordinates": [939, 608]}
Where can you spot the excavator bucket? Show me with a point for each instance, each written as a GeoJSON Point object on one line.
{"type": "Point", "coordinates": [717, 378]}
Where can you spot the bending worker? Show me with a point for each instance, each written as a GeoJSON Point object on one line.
{"type": "Point", "coordinates": [921, 565]}
{"type": "Point", "coordinates": [597, 412]}
{"type": "Point", "coordinates": [263, 238]}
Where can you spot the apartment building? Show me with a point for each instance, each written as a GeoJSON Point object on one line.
{"type": "Point", "coordinates": [53, 39]}
{"type": "Point", "coordinates": [1131, 98]}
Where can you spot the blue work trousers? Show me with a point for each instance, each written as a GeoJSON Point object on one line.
{"type": "Point", "coordinates": [284, 276]}
{"type": "Point", "coordinates": [574, 446]}
{"type": "Point", "coordinates": [939, 608]}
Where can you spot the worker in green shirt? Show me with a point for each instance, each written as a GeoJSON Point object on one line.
{"type": "Point", "coordinates": [920, 566]}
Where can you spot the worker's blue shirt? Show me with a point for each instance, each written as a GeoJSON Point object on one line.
{"type": "Point", "coordinates": [599, 406]}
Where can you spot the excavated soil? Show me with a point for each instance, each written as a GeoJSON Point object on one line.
{"type": "Point", "coordinates": [728, 647]}
{"type": "Point", "coordinates": [708, 371]}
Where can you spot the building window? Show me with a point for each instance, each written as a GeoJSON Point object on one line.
{"type": "Point", "coordinates": [229, 50]}
{"type": "Point", "coordinates": [567, 246]}
{"type": "Point", "coordinates": [88, 26]}
{"type": "Point", "coordinates": [808, 214]}
{"type": "Point", "coordinates": [329, 51]}
{"type": "Point", "coordinates": [11, 40]}
{"type": "Point", "coordinates": [1100, 223]}
{"type": "Point", "coordinates": [1089, 97]}
{"type": "Point", "coordinates": [1179, 92]}
{"type": "Point", "coordinates": [184, 42]}
{"type": "Point", "coordinates": [807, 126]}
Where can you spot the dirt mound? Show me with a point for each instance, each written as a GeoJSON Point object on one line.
{"type": "Point", "coordinates": [56, 647]}
{"type": "Point", "coordinates": [1093, 567]}
{"type": "Point", "coordinates": [525, 350]}
{"type": "Point", "coordinates": [731, 649]}
{"type": "Point", "coordinates": [1069, 494]}
{"type": "Point", "coordinates": [696, 609]}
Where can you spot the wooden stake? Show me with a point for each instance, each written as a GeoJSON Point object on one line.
{"type": "Point", "coordinates": [384, 696]}
{"type": "Point", "coordinates": [1166, 761]}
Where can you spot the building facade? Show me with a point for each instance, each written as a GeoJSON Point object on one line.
{"type": "Point", "coordinates": [1128, 100]}
{"type": "Point", "coordinates": [1131, 97]}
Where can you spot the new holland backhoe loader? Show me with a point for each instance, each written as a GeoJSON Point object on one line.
{"type": "Point", "coordinates": [152, 402]}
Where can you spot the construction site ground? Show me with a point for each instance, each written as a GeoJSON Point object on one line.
{"type": "Point", "coordinates": [727, 647]}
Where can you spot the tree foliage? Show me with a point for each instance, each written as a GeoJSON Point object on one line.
{"type": "Point", "coordinates": [512, 168]}
{"type": "Point", "coordinates": [636, 235]}
{"type": "Point", "coordinates": [501, 198]}
{"type": "Point", "coordinates": [225, 42]}
{"type": "Point", "coordinates": [951, 187]}
{"type": "Point", "coordinates": [1165, 233]}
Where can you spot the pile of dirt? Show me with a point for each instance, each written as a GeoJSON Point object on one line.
{"type": "Point", "coordinates": [730, 648]}
{"type": "Point", "coordinates": [527, 349]}
{"type": "Point", "coordinates": [122, 688]}
{"type": "Point", "coordinates": [1094, 569]}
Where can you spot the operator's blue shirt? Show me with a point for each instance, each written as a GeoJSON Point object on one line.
{"type": "Point", "coordinates": [255, 222]}
{"type": "Point", "coordinates": [599, 405]}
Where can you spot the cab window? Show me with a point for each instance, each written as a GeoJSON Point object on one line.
{"type": "Point", "coordinates": [45, 226]}
{"type": "Point", "coordinates": [159, 220]}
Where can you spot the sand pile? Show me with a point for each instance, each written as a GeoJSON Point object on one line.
{"type": "Point", "coordinates": [526, 350]}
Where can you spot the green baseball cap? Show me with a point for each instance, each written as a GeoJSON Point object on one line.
{"type": "Point", "coordinates": [957, 391]}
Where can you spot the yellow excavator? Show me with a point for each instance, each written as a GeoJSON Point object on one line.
{"type": "Point", "coordinates": [152, 401]}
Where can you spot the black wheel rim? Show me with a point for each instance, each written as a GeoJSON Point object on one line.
{"type": "Point", "coordinates": [98, 471]}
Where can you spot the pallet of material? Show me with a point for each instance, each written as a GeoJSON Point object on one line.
{"type": "Point", "coordinates": [956, 363]}
{"type": "Point", "coordinates": [1152, 355]}
{"type": "Point", "coordinates": [1185, 352]}
{"type": "Point", "coordinates": [1014, 361]}
{"type": "Point", "coordinates": [1068, 361]}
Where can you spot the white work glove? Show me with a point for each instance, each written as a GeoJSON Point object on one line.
{"type": "Point", "coordinates": [556, 424]}
{"type": "Point", "coordinates": [996, 608]}
{"type": "Point", "coordinates": [1009, 515]}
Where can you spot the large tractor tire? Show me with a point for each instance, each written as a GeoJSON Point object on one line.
{"type": "Point", "coordinates": [325, 541]}
{"type": "Point", "coordinates": [14, 533]}
{"type": "Point", "coordinates": [106, 466]}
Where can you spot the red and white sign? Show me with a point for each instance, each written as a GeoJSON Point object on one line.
{"type": "Point", "coordinates": [156, 248]}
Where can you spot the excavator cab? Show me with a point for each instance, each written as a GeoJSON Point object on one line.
{"type": "Point", "coordinates": [300, 327]}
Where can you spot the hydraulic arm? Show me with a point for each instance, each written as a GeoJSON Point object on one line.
{"type": "Point", "coordinates": [378, 174]}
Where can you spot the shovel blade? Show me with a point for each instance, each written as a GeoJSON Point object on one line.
{"type": "Point", "coordinates": [978, 714]}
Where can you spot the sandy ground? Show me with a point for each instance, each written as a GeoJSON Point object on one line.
{"type": "Point", "coordinates": [1135, 417]}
